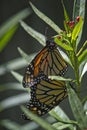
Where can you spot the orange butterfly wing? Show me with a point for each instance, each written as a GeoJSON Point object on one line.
{"type": "Point", "coordinates": [48, 60]}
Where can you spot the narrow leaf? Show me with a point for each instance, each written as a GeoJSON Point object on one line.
{"type": "Point", "coordinates": [77, 29]}
{"type": "Point", "coordinates": [83, 56]}
{"type": "Point", "coordinates": [81, 67]}
{"type": "Point", "coordinates": [11, 86]}
{"type": "Point", "coordinates": [13, 21]}
{"type": "Point", "coordinates": [76, 9]}
{"type": "Point", "coordinates": [38, 36]}
{"type": "Point", "coordinates": [64, 55]}
{"type": "Point", "coordinates": [85, 105]}
{"type": "Point", "coordinates": [34, 126]}
{"type": "Point", "coordinates": [15, 64]}
{"type": "Point", "coordinates": [60, 115]}
{"type": "Point", "coordinates": [82, 8]}
{"type": "Point", "coordinates": [10, 125]}
{"type": "Point", "coordinates": [62, 126]}
{"type": "Point", "coordinates": [79, 10]}
{"type": "Point", "coordinates": [83, 71]}
{"type": "Point", "coordinates": [77, 108]}
{"type": "Point", "coordinates": [66, 17]}
{"type": "Point", "coordinates": [59, 78]}
{"type": "Point", "coordinates": [65, 12]}
{"type": "Point", "coordinates": [7, 37]}
{"type": "Point", "coordinates": [14, 101]}
{"type": "Point", "coordinates": [27, 57]}
{"type": "Point", "coordinates": [37, 119]}
{"type": "Point", "coordinates": [31, 126]}
{"type": "Point", "coordinates": [17, 76]}
{"type": "Point", "coordinates": [23, 54]}
{"type": "Point", "coordinates": [64, 46]}
{"type": "Point", "coordinates": [82, 48]}
{"type": "Point", "coordinates": [46, 19]}
{"type": "Point", "coordinates": [84, 101]}
{"type": "Point", "coordinates": [66, 27]}
{"type": "Point", "coordinates": [12, 65]}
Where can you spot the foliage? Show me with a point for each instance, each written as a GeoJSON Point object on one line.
{"type": "Point", "coordinates": [8, 28]}
{"type": "Point", "coordinates": [69, 40]}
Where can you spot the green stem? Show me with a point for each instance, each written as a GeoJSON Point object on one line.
{"type": "Point", "coordinates": [74, 61]}
{"type": "Point", "coordinates": [76, 69]}
{"type": "Point", "coordinates": [73, 56]}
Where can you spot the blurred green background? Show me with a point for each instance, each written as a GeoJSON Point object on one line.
{"type": "Point", "coordinates": [53, 9]}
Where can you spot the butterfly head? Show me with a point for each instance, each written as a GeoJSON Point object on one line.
{"type": "Point", "coordinates": [51, 44]}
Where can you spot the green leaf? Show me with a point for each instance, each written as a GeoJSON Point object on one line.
{"type": "Point", "coordinates": [83, 64]}
{"type": "Point", "coordinates": [76, 9]}
{"type": "Point", "coordinates": [8, 28]}
{"type": "Point", "coordinates": [11, 22]}
{"type": "Point", "coordinates": [38, 36]}
{"type": "Point", "coordinates": [60, 115]}
{"type": "Point", "coordinates": [85, 104]}
{"type": "Point", "coordinates": [17, 76]}
{"type": "Point", "coordinates": [84, 101]}
{"type": "Point", "coordinates": [64, 46]}
{"type": "Point", "coordinates": [15, 64]}
{"type": "Point", "coordinates": [84, 70]}
{"type": "Point", "coordinates": [65, 12]}
{"type": "Point", "coordinates": [79, 10]}
{"type": "Point", "coordinates": [77, 30]}
{"type": "Point", "coordinates": [62, 126]}
{"type": "Point", "coordinates": [64, 55]}
{"type": "Point", "coordinates": [11, 86]}
{"type": "Point", "coordinates": [12, 65]}
{"type": "Point", "coordinates": [82, 48]}
{"type": "Point", "coordinates": [59, 78]}
{"type": "Point", "coordinates": [66, 27]}
{"type": "Point", "coordinates": [27, 57]}
{"type": "Point", "coordinates": [31, 126]}
{"type": "Point", "coordinates": [14, 101]}
{"type": "Point", "coordinates": [62, 118]}
{"type": "Point", "coordinates": [10, 125]}
{"type": "Point", "coordinates": [82, 57]}
{"type": "Point", "coordinates": [66, 17]}
{"type": "Point", "coordinates": [46, 19]}
{"type": "Point", "coordinates": [37, 119]}
{"type": "Point", "coordinates": [23, 54]}
{"type": "Point", "coordinates": [77, 108]}
{"type": "Point", "coordinates": [7, 37]}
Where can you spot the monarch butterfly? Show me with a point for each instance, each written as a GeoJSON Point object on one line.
{"type": "Point", "coordinates": [45, 95]}
{"type": "Point", "coordinates": [48, 60]}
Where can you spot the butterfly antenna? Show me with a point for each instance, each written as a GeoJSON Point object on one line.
{"type": "Point", "coordinates": [46, 30]}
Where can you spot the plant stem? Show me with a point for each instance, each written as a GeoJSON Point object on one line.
{"type": "Point", "coordinates": [76, 69]}
{"type": "Point", "coordinates": [74, 60]}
